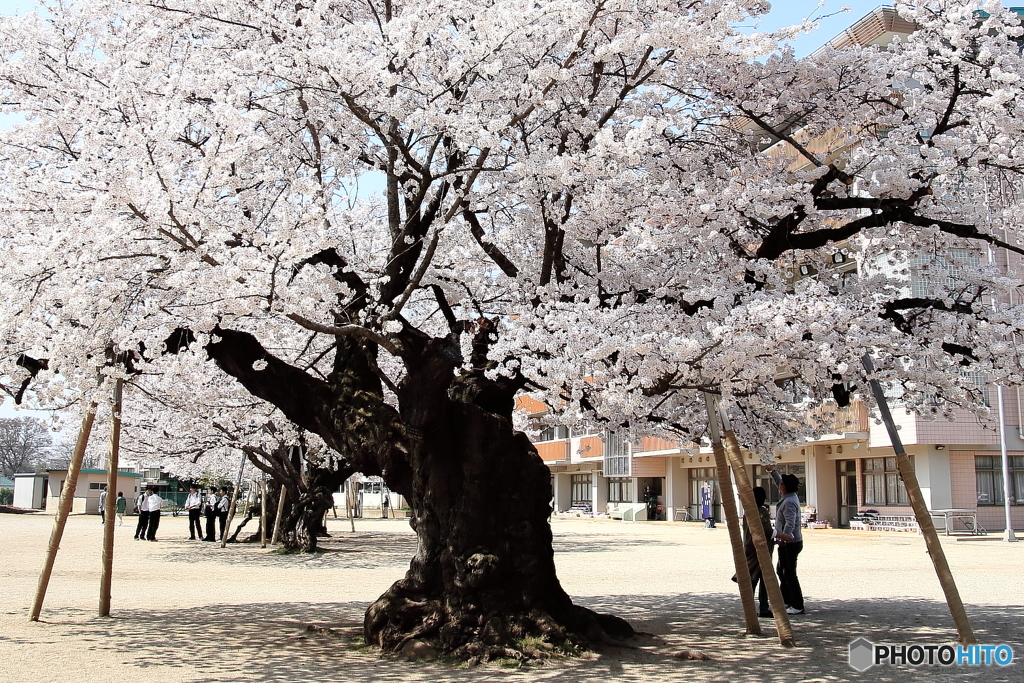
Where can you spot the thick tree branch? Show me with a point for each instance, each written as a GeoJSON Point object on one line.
{"type": "Point", "coordinates": [347, 330]}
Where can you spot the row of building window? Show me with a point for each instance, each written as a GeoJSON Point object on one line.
{"type": "Point", "coordinates": [988, 472]}
{"type": "Point", "coordinates": [882, 484]}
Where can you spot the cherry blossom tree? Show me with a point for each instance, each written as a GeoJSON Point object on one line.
{"type": "Point", "coordinates": [386, 219]}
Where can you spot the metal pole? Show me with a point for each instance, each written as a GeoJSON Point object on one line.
{"type": "Point", "coordinates": [739, 556]}
{"type": "Point", "coordinates": [107, 573]}
{"type": "Point", "coordinates": [924, 518]}
{"type": "Point", "coordinates": [67, 498]}
{"type": "Point", "coordinates": [1008, 534]}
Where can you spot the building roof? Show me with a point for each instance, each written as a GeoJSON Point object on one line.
{"type": "Point", "coordinates": [120, 473]}
{"type": "Point", "coordinates": [877, 27]}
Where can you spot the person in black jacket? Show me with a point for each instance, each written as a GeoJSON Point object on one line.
{"type": "Point", "coordinates": [143, 513]}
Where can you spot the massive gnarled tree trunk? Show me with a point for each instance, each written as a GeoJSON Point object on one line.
{"type": "Point", "coordinates": [483, 578]}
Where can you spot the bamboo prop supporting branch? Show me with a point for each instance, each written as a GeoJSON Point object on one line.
{"type": "Point", "coordinates": [234, 501]}
{"type": "Point", "coordinates": [280, 513]}
{"type": "Point", "coordinates": [764, 558]}
{"type": "Point", "coordinates": [263, 514]}
{"type": "Point", "coordinates": [350, 503]}
{"type": "Point", "coordinates": [924, 518]}
{"type": "Point", "coordinates": [67, 498]}
{"type": "Point", "coordinates": [739, 557]}
{"type": "Point", "coordinates": [107, 573]}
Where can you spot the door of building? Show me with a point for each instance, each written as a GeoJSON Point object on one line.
{"type": "Point", "coordinates": [846, 471]}
{"type": "Point", "coordinates": [700, 477]}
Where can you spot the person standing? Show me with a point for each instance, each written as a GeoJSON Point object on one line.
{"type": "Point", "coordinates": [789, 538]}
{"type": "Point", "coordinates": [143, 512]}
{"type": "Point", "coordinates": [753, 566]}
{"type": "Point", "coordinates": [707, 504]}
{"type": "Point", "coordinates": [210, 510]}
{"type": "Point", "coordinates": [120, 505]}
{"type": "Point", "coordinates": [103, 505]}
{"type": "Point", "coordinates": [153, 505]}
{"type": "Point", "coordinates": [194, 505]}
{"type": "Point", "coordinates": [222, 510]}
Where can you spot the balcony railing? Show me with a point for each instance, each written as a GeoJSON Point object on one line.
{"type": "Point", "coordinates": [551, 451]}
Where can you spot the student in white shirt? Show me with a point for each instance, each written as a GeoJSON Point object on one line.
{"type": "Point", "coordinates": [194, 505]}
{"type": "Point", "coordinates": [103, 504]}
{"type": "Point", "coordinates": [210, 510]}
{"type": "Point", "coordinates": [143, 513]}
{"type": "Point", "coordinates": [153, 505]}
{"type": "Point", "coordinates": [222, 510]}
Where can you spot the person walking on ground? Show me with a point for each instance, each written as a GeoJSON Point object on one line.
{"type": "Point", "coordinates": [210, 510]}
{"type": "Point", "coordinates": [753, 566]}
{"type": "Point", "coordinates": [153, 504]}
{"type": "Point", "coordinates": [707, 505]}
{"type": "Point", "coordinates": [103, 505]}
{"type": "Point", "coordinates": [222, 510]}
{"type": "Point", "coordinates": [194, 505]}
{"type": "Point", "coordinates": [120, 505]}
{"type": "Point", "coordinates": [143, 512]}
{"type": "Point", "coordinates": [789, 538]}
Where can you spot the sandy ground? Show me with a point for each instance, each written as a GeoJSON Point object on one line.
{"type": "Point", "coordinates": [191, 611]}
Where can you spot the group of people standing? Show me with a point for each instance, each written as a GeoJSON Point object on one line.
{"type": "Point", "coordinates": [786, 535]}
{"type": "Point", "coordinates": [148, 506]}
{"type": "Point", "coordinates": [214, 506]}
{"type": "Point", "coordinates": [149, 503]}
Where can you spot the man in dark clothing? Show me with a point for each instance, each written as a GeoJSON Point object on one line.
{"type": "Point", "coordinates": [140, 509]}
{"type": "Point", "coordinates": [210, 510]}
{"type": "Point", "coordinates": [753, 566]}
{"type": "Point", "coordinates": [222, 510]}
{"type": "Point", "coordinates": [194, 505]}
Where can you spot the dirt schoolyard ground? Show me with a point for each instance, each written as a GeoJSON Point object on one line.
{"type": "Point", "coordinates": [191, 611]}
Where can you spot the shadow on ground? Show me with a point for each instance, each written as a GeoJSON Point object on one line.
{"type": "Point", "coordinates": [362, 550]}
{"type": "Point", "coordinates": [272, 642]}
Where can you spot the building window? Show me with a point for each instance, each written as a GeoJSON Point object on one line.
{"type": "Point", "coordinates": [620, 490]}
{"type": "Point", "coordinates": [988, 472]}
{"type": "Point", "coordinates": [96, 486]}
{"type": "Point", "coordinates": [882, 483]}
{"type": "Point", "coordinates": [765, 481]}
{"type": "Point", "coordinates": [554, 433]}
{"type": "Point", "coordinates": [581, 489]}
{"type": "Point", "coordinates": [616, 455]}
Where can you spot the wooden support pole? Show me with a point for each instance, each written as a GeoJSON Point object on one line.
{"type": "Point", "coordinates": [280, 513]}
{"type": "Point", "coordinates": [231, 505]}
{"type": "Point", "coordinates": [263, 513]}
{"type": "Point", "coordinates": [67, 499]}
{"type": "Point", "coordinates": [764, 558]}
{"type": "Point", "coordinates": [107, 573]}
{"type": "Point", "coordinates": [739, 556]}
{"type": "Point", "coordinates": [924, 518]}
{"type": "Point", "coordinates": [350, 503]}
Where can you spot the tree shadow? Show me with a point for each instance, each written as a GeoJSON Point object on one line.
{"type": "Point", "coordinates": [275, 642]}
{"type": "Point", "coordinates": [361, 550]}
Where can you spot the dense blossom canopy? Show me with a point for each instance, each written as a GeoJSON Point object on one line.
{"type": "Point", "coordinates": [593, 178]}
